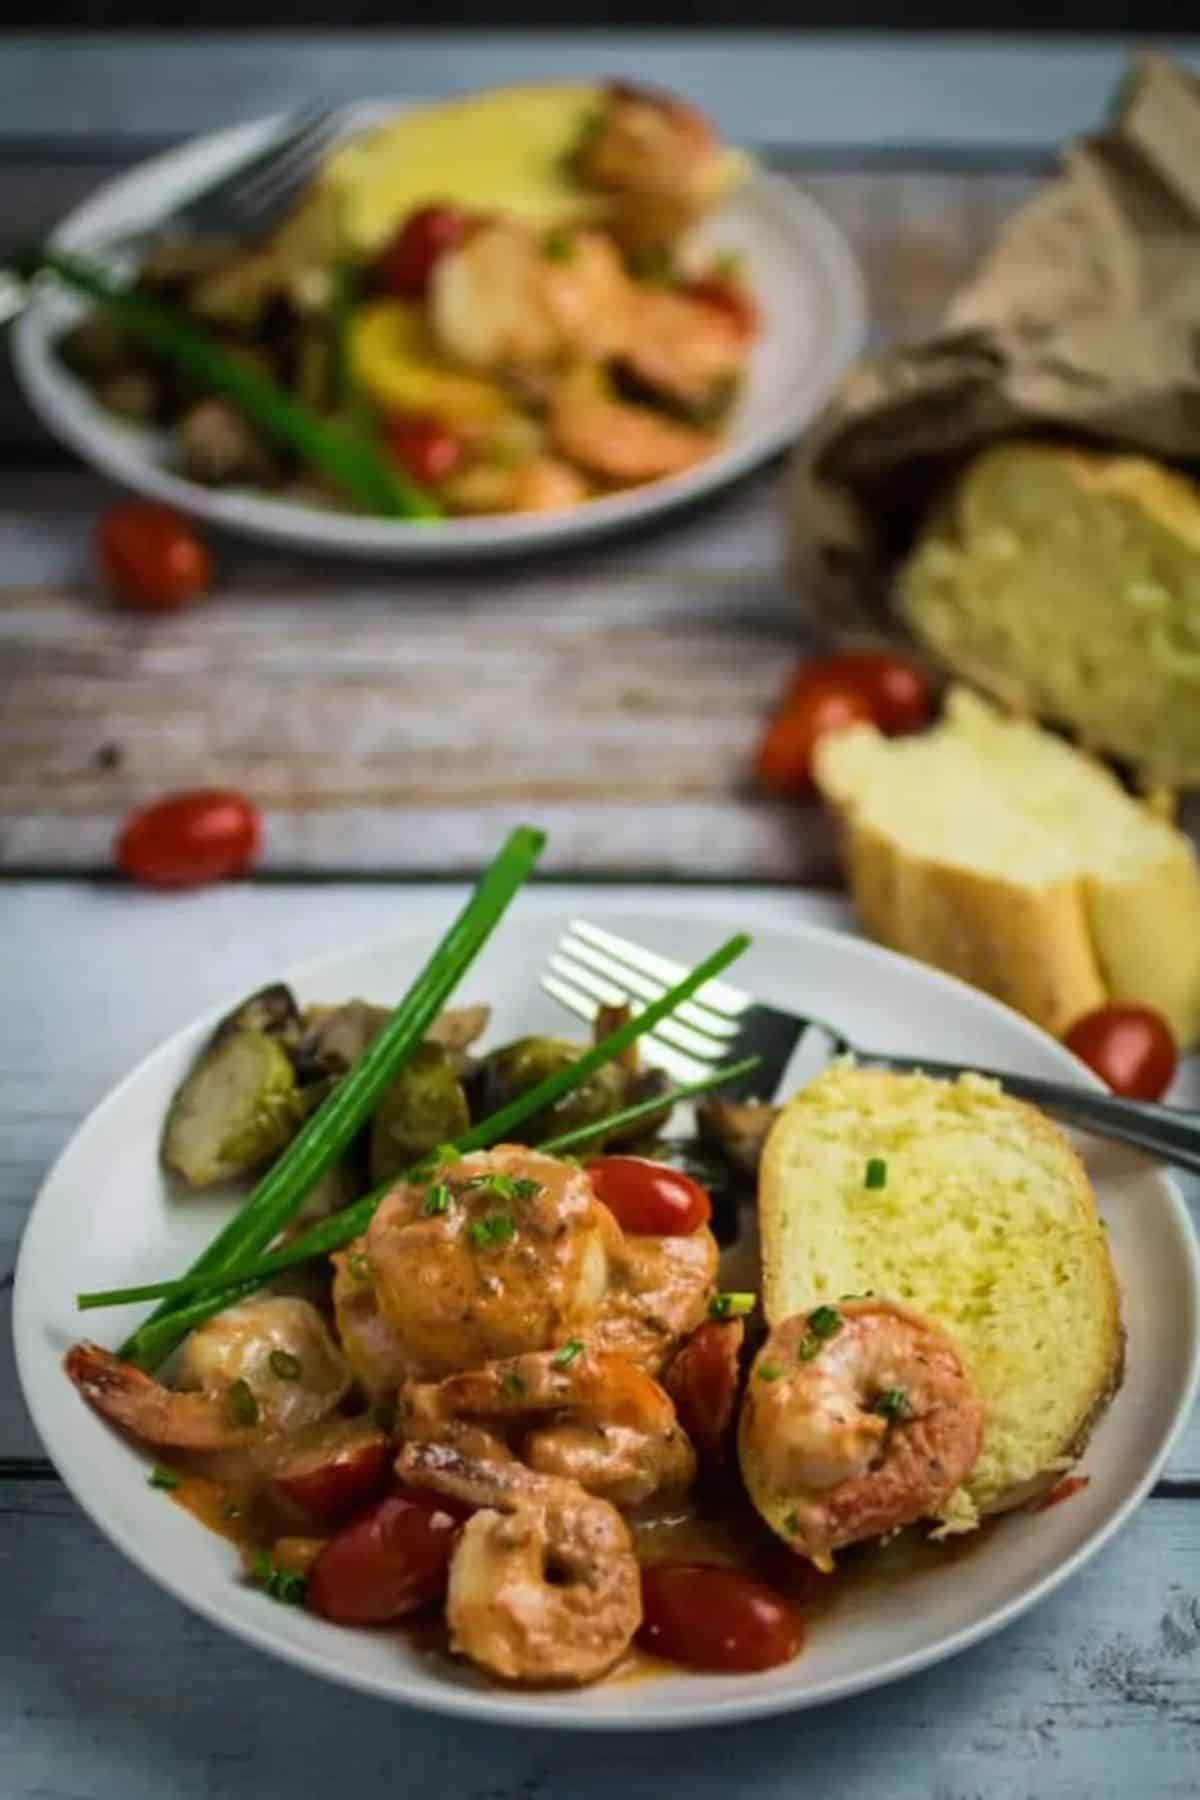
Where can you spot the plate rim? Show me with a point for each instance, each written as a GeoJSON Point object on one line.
{"type": "Point", "coordinates": [286, 524]}
{"type": "Point", "coordinates": [532, 1710]}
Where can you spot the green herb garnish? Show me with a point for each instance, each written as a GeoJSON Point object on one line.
{"type": "Point", "coordinates": [243, 1407]}
{"type": "Point", "coordinates": [283, 1585]}
{"type": "Point", "coordinates": [824, 1322]}
{"type": "Point", "coordinates": [285, 1365]}
{"type": "Point", "coordinates": [358, 1265]}
{"type": "Point", "coordinates": [436, 1201]}
{"type": "Point", "coordinates": [876, 1173]}
{"type": "Point", "coordinates": [892, 1404]}
{"type": "Point", "coordinates": [731, 1306]}
{"type": "Point", "coordinates": [566, 1356]}
{"type": "Point", "coordinates": [161, 1477]}
{"type": "Point", "coordinates": [512, 1383]}
{"type": "Point", "coordinates": [769, 1372]}
{"type": "Point", "coordinates": [792, 1524]}
{"type": "Point", "coordinates": [492, 1232]}
{"type": "Point", "coordinates": [558, 246]}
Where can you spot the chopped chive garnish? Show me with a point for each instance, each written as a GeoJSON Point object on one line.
{"type": "Point", "coordinates": [892, 1404]}
{"type": "Point", "coordinates": [769, 1372]}
{"type": "Point", "coordinates": [437, 1200]}
{"type": "Point", "coordinates": [493, 1231]}
{"type": "Point", "coordinates": [558, 246]}
{"type": "Point", "coordinates": [792, 1524]}
{"type": "Point", "coordinates": [285, 1365]}
{"type": "Point", "coordinates": [243, 1407]}
{"type": "Point", "coordinates": [163, 1478]}
{"type": "Point", "coordinates": [570, 1350]}
{"type": "Point", "coordinates": [731, 1306]}
{"type": "Point", "coordinates": [284, 1585]}
{"type": "Point", "coordinates": [524, 1188]}
{"type": "Point", "coordinates": [824, 1322]}
{"type": "Point", "coordinates": [358, 1265]}
{"type": "Point", "coordinates": [512, 1383]}
{"type": "Point", "coordinates": [876, 1173]}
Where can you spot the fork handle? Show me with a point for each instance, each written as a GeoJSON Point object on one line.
{"type": "Point", "coordinates": [1170, 1132]}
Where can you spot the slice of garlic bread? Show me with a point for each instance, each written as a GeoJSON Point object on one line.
{"type": "Point", "coordinates": [977, 1212]}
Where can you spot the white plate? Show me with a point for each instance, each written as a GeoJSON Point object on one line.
{"type": "Point", "coordinates": [105, 1218]}
{"type": "Point", "coordinates": [798, 263]}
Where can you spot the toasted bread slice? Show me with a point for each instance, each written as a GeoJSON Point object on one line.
{"type": "Point", "coordinates": [999, 852]}
{"type": "Point", "coordinates": [985, 1222]}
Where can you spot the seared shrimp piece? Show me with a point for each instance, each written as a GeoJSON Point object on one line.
{"type": "Point", "coordinates": [858, 1419]}
{"type": "Point", "coordinates": [683, 348]}
{"type": "Point", "coordinates": [539, 484]}
{"type": "Point", "coordinates": [616, 439]}
{"type": "Point", "coordinates": [265, 1366]}
{"type": "Point", "coordinates": [658, 1291]}
{"type": "Point", "coordinates": [659, 159]}
{"type": "Point", "coordinates": [505, 301]}
{"type": "Point", "coordinates": [371, 1346]}
{"type": "Point", "coordinates": [613, 1428]}
{"type": "Point", "coordinates": [500, 1252]}
{"type": "Point", "coordinates": [544, 1584]}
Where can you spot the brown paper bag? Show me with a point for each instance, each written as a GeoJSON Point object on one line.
{"type": "Point", "coordinates": [1084, 321]}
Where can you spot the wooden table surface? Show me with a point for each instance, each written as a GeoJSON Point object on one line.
{"type": "Point", "coordinates": [391, 726]}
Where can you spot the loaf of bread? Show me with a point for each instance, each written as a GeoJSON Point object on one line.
{"type": "Point", "coordinates": [1066, 583]}
{"type": "Point", "coordinates": [997, 851]}
{"type": "Point", "coordinates": [985, 1222]}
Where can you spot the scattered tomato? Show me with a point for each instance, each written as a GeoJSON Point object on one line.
{"type": "Point", "coordinates": [151, 557]}
{"type": "Point", "coordinates": [333, 1480]}
{"type": "Point", "coordinates": [1129, 1047]}
{"type": "Point", "coordinates": [187, 839]}
{"type": "Point", "coordinates": [1066, 1489]}
{"type": "Point", "coordinates": [729, 297]}
{"type": "Point", "coordinates": [406, 263]}
{"type": "Point", "coordinates": [426, 450]}
{"type": "Point", "coordinates": [386, 1563]}
{"type": "Point", "coordinates": [702, 1380]}
{"type": "Point", "coordinates": [784, 760]}
{"type": "Point", "coordinates": [895, 690]}
{"type": "Point", "coordinates": [648, 1198]}
{"type": "Point", "coordinates": [707, 1617]}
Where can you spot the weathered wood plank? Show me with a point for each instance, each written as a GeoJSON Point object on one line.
{"type": "Point", "coordinates": [114, 1690]}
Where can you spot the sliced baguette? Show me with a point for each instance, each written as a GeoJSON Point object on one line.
{"type": "Point", "coordinates": [995, 850]}
{"type": "Point", "coordinates": [986, 1223]}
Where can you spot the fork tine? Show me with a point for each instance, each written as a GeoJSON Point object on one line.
{"type": "Point", "coordinates": [293, 165]}
{"type": "Point", "coordinates": [718, 996]}
{"type": "Point", "coordinates": [680, 1067]}
{"type": "Point", "coordinates": [220, 190]}
{"type": "Point", "coordinates": [253, 197]}
{"type": "Point", "coordinates": [633, 983]}
{"type": "Point", "coordinates": [697, 1044]}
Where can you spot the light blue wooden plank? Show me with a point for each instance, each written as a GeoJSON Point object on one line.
{"type": "Point", "coordinates": [112, 1691]}
{"type": "Point", "coordinates": [819, 91]}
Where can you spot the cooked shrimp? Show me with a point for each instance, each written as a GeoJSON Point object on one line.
{"type": "Point", "coordinates": [504, 1251]}
{"type": "Point", "coordinates": [371, 1346]}
{"type": "Point", "coordinates": [537, 484]}
{"type": "Point", "coordinates": [858, 1419]}
{"type": "Point", "coordinates": [683, 348]}
{"type": "Point", "coordinates": [614, 1429]}
{"type": "Point", "coordinates": [616, 439]}
{"type": "Point", "coordinates": [658, 157]}
{"type": "Point", "coordinates": [506, 302]}
{"type": "Point", "coordinates": [544, 1584]}
{"type": "Point", "coordinates": [266, 1366]}
{"type": "Point", "coordinates": [658, 1291]}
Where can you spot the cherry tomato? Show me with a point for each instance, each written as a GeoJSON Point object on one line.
{"type": "Point", "coordinates": [426, 449]}
{"type": "Point", "coordinates": [1129, 1047]}
{"type": "Point", "coordinates": [702, 1380]}
{"type": "Point", "coordinates": [406, 263]}
{"type": "Point", "coordinates": [707, 1617]}
{"type": "Point", "coordinates": [151, 557]}
{"type": "Point", "coordinates": [783, 763]}
{"type": "Point", "coordinates": [188, 839]}
{"type": "Point", "coordinates": [648, 1198]}
{"type": "Point", "coordinates": [386, 1563]}
{"type": "Point", "coordinates": [331, 1481]}
{"type": "Point", "coordinates": [728, 297]}
{"type": "Point", "coordinates": [896, 691]}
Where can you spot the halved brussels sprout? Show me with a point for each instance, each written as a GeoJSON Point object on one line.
{"type": "Point", "coordinates": [515, 1068]}
{"type": "Point", "coordinates": [423, 1107]}
{"type": "Point", "coordinates": [237, 1109]}
{"type": "Point", "coordinates": [271, 1009]}
{"type": "Point", "coordinates": [737, 1129]}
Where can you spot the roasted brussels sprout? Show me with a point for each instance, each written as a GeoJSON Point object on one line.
{"type": "Point", "coordinates": [236, 1110]}
{"type": "Point", "coordinates": [423, 1107]}
{"type": "Point", "coordinates": [515, 1068]}
{"type": "Point", "coordinates": [458, 1027]}
{"type": "Point", "coordinates": [737, 1130]}
{"type": "Point", "coordinates": [334, 1037]}
{"type": "Point", "coordinates": [271, 1009]}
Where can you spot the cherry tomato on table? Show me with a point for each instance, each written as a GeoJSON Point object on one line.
{"type": "Point", "coordinates": [425, 449]}
{"type": "Point", "coordinates": [189, 838]}
{"type": "Point", "coordinates": [707, 1617]}
{"type": "Point", "coordinates": [388, 1562]}
{"type": "Point", "coordinates": [407, 262]}
{"type": "Point", "coordinates": [649, 1199]}
{"type": "Point", "coordinates": [784, 760]}
{"type": "Point", "coordinates": [895, 690]}
{"type": "Point", "coordinates": [1129, 1047]}
{"type": "Point", "coordinates": [151, 557]}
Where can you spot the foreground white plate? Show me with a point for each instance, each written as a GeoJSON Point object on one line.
{"type": "Point", "coordinates": [799, 265]}
{"type": "Point", "coordinates": [105, 1217]}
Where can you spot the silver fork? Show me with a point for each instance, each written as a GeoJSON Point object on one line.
{"type": "Point", "coordinates": [592, 967]}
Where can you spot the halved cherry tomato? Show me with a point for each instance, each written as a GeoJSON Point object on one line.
{"type": "Point", "coordinates": [784, 760]}
{"type": "Point", "coordinates": [648, 1198]}
{"type": "Point", "coordinates": [707, 1617]}
{"type": "Point", "coordinates": [386, 1563]}
{"type": "Point", "coordinates": [151, 557]}
{"type": "Point", "coordinates": [728, 297]}
{"type": "Point", "coordinates": [189, 838]}
{"type": "Point", "coordinates": [702, 1380]}
{"type": "Point", "coordinates": [1129, 1047]}
{"type": "Point", "coordinates": [406, 263]}
{"type": "Point", "coordinates": [425, 448]}
{"type": "Point", "coordinates": [340, 1475]}
{"type": "Point", "coordinates": [895, 690]}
